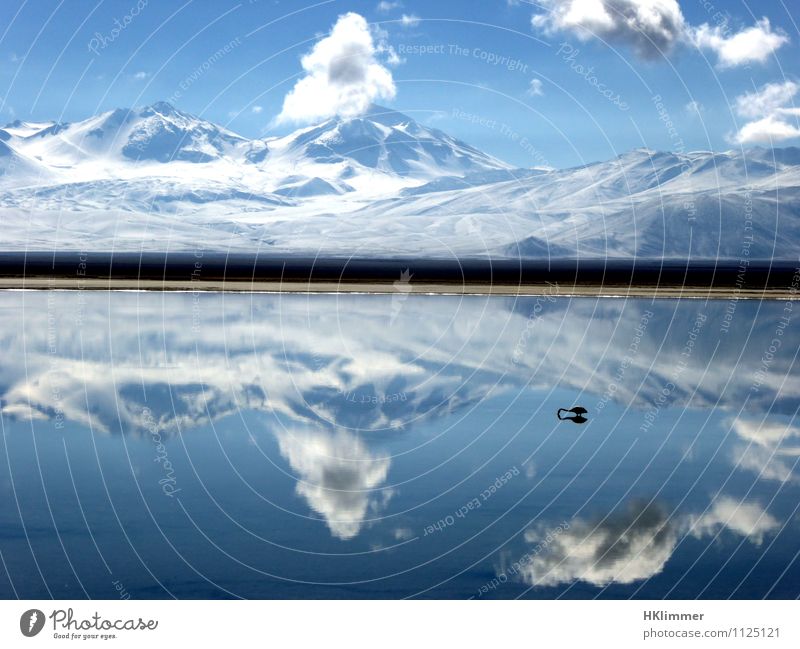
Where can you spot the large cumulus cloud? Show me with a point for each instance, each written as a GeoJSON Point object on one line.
{"type": "Point", "coordinates": [338, 476]}
{"type": "Point", "coordinates": [636, 544]}
{"type": "Point", "coordinates": [651, 27]}
{"type": "Point", "coordinates": [654, 27]}
{"type": "Point", "coordinates": [343, 75]}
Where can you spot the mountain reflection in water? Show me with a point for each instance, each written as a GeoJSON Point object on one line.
{"type": "Point", "coordinates": [205, 445]}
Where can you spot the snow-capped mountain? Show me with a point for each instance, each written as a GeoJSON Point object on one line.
{"type": "Point", "coordinates": [381, 183]}
{"type": "Point", "coordinates": [643, 202]}
{"type": "Point", "coordinates": [159, 132]}
{"type": "Point", "coordinates": [388, 141]}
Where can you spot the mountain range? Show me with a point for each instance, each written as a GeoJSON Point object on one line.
{"type": "Point", "coordinates": [380, 184]}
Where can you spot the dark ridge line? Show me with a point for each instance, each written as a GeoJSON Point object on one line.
{"type": "Point", "coordinates": [176, 269]}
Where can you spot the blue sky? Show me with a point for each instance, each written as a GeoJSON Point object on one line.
{"type": "Point", "coordinates": [556, 83]}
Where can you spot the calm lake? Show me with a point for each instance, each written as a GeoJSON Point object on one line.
{"type": "Point", "coordinates": [194, 445]}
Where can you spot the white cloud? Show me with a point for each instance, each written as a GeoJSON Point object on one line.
{"type": "Point", "coordinates": [385, 6]}
{"type": "Point", "coordinates": [410, 20]}
{"type": "Point", "coordinates": [654, 27]}
{"type": "Point", "coordinates": [770, 112]}
{"type": "Point", "coordinates": [772, 448]}
{"type": "Point", "coordinates": [767, 100]}
{"type": "Point", "coordinates": [745, 519]}
{"type": "Point", "coordinates": [635, 544]}
{"type": "Point", "coordinates": [536, 88]}
{"type": "Point", "coordinates": [765, 463]}
{"type": "Point", "coordinates": [768, 434]}
{"type": "Point", "coordinates": [403, 534]}
{"type": "Point", "coordinates": [751, 45]}
{"type": "Point", "coordinates": [694, 107]}
{"type": "Point", "coordinates": [651, 27]}
{"type": "Point", "coordinates": [343, 75]}
{"type": "Point", "coordinates": [392, 57]}
{"type": "Point", "coordinates": [141, 76]}
{"type": "Point", "coordinates": [622, 549]}
{"type": "Point", "coordinates": [338, 477]}
{"type": "Point", "coordinates": [257, 109]}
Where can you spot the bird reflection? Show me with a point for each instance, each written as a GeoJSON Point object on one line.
{"type": "Point", "coordinates": [577, 414]}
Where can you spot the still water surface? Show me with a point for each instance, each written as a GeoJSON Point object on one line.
{"type": "Point", "coordinates": [264, 446]}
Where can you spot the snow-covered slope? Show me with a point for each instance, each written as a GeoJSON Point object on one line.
{"type": "Point", "coordinates": [388, 141]}
{"type": "Point", "coordinates": [17, 170]}
{"type": "Point", "coordinates": [18, 128]}
{"type": "Point", "coordinates": [159, 133]}
{"type": "Point", "coordinates": [378, 184]}
{"type": "Point", "coordinates": [644, 202]}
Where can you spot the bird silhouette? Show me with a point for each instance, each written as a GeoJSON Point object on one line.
{"type": "Point", "coordinates": [578, 413]}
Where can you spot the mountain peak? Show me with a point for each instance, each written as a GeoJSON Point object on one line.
{"type": "Point", "coordinates": [165, 109]}
{"type": "Point", "coordinates": [390, 141]}
{"type": "Point", "coordinates": [386, 116]}
{"type": "Point", "coordinates": [374, 113]}
{"type": "Point", "coordinates": [21, 128]}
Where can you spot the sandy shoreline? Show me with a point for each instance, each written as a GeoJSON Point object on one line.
{"type": "Point", "coordinates": [378, 288]}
